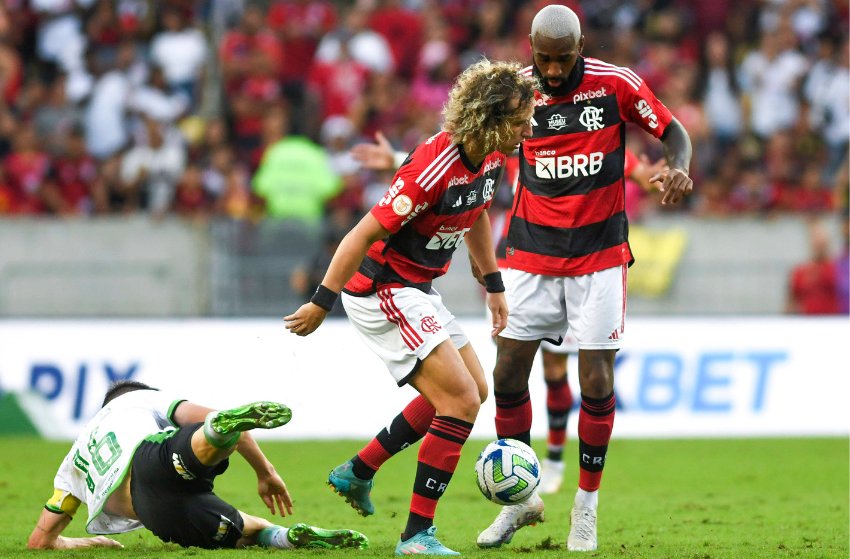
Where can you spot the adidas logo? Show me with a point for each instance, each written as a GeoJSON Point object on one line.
{"type": "Point", "coordinates": [458, 203]}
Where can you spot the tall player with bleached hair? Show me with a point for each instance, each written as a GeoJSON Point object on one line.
{"type": "Point", "coordinates": [385, 265]}
{"type": "Point", "coordinates": [567, 249]}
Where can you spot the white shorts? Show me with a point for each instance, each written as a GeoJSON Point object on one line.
{"type": "Point", "coordinates": [402, 325]}
{"type": "Point", "coordinates": [592, 307]}
{"type": "Point", "coordinates": [569, 345]}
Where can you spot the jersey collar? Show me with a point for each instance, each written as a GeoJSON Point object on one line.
{"type": "Point", "coordinates": [466, 162]}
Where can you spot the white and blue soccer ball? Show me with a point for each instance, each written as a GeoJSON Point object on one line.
{"type": "Point", "coordinates": [508, 471]}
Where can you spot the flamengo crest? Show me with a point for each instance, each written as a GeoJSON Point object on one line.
{"type": "Point", "coordinates": [591, 118]}
{"type": "Point", "coordinates": [430, 325]}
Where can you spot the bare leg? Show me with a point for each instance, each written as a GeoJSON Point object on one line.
{"type": "Point", "coordinates": [444, 380]}
{"type": "Point", "coordinates": [554, 366]}
{"type": "Point", "coordinates": [207, 454]}
{"type": "Point", "coordinates": [596, 372]}
{"type": "Point", "coordinates": [514, 360]}
{"type": "Point", "coordinates": [253, 526]}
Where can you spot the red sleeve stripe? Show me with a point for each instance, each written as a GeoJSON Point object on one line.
{"type": "Point", "coordinates": [437, 168]}
{"type": "Point", "coordinates": [408, 334]}
{"type": "Point", "coordinates": [572, 211]}
{"type": "Point", "coordinates": [603, 69]}
{"type": "Point", "coordinates": [527, 71]}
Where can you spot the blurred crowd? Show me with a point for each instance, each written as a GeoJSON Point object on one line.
{"type": "Point", "coordinates": [247, 110]}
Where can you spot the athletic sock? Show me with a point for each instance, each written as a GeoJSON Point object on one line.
{"type": "Point", "coordinates": [438, 457]}
{"type": "Point", "coordinates": [217, 439]}
{"type": "Point", "coordinates": [513, 415]}
{"type": "Point", "coordinates": [407, 428]}
{"type": "Point", "coordinates": [587, 498]}
{"type": "Point", "coordinates": [595, 423]}
{"type": "Point", "coordinates": [559, 400]}
{"type": "Point", "coordinates": [274, 536]}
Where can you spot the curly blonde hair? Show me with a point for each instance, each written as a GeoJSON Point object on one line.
{"type": "Point", "coordinates": [478, 113]}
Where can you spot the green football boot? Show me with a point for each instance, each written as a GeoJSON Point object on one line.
{"type": "Point", "coordinates": [304, 535]}
{"type": "Point", "coordinates": [222, 428]}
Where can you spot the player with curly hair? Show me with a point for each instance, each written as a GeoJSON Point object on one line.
{"type": "Point", "coordinates": [385, 265]}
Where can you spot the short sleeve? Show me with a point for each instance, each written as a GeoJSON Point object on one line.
{"type": "Point", "coordinates": [641, 106]}
{"type": "Point", "coordinates": [406, 199]}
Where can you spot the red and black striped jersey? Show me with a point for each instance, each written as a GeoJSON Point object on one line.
{"type": "Point", "coordinates": [500, 237]}
{"type": "Point", "coordinates": [569, 215]}
{"type": "Point", "coordinates": [435, 197]}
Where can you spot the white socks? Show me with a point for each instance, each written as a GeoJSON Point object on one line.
{"type": "Point", "coordinates": [587, 498]}
{"type": "Point", "coordinates": [217, 439]}
{"type": "Point", "coordinates": [274, 536]}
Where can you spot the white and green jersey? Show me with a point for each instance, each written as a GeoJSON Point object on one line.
{"type": "Point", "coordinates": [103, 452]}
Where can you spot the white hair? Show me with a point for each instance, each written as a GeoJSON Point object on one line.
{"type": "Point", "coordinates": [556, 22]}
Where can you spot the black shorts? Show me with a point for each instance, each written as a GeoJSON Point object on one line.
{"type": "Point", "coordinates": [173, 495]}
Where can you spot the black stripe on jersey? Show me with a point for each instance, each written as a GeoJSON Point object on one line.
{"type": "Point", "coordinates": [611, 172]}
{"type": "Point", "coordinates": [413, 246]}
{"type": "Point", "coordinates": [456, 199]}
{"type": "Point", "coordinates": [407, 159]}
{"type": "Point", "coordinates": [568, 242]}
{"type": "Point", "coordinates": [566, 118]}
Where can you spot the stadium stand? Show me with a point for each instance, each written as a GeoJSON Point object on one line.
{"type": "Point", "coordinates": [120, 107]}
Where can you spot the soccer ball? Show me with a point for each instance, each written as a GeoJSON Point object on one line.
{"type": "Point", "coordinates": [508, 471]}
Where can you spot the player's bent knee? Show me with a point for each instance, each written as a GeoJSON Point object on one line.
{"type": "Point", "coordinates": [464, 405]}
{"type": "Point", "coordinates": [483, 393]}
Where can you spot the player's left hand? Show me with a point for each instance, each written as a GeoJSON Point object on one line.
{"type": "Point", "coordinates": [499, 311]}
{"type": "Point", "coordinates": [79, 543]}
{"type": "Point", "coordinates": [274, 493]}
{"type": "Point", "coordinates": [675, 186]}
{"type": "Point", "coordinates": [306, 319]}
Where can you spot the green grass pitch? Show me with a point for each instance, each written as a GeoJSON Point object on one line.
{"type": "Point", "coordinates": [694, 499]}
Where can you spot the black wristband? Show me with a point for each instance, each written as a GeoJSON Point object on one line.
{"type": "Point", "coordinates": [324, 297]}
{"type": "Point", "coordinates": [493, 283]}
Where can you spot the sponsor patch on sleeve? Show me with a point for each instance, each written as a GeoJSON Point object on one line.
{"type": "Point", "coordinates": [402, 205]}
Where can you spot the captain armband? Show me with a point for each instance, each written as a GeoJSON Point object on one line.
{"type": "Point", "coordinates": [493, 283]}
{"type": "Point", "coordinates": [62, 502]}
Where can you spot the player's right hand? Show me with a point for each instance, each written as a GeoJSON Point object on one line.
{"type": "Point", "coordinates": [306, 319]}
{"type": "Point", "coordinates": [273, 492]}
{"type": "Point", "coordinates": [676, 184]}
{"type": "Point", "coordinates": [377, 156]}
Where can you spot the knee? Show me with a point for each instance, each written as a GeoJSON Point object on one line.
{"type": "Point", "coordinates": [597, 380]}
{"type": "Point", "coordinates": [467, 405]}
{"type": "Point", "coordinates": [513, 366]}
{"type": "Point", "coordinates": [483, 392]}
{"type": "Point", "coordinates": [508, 379]}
